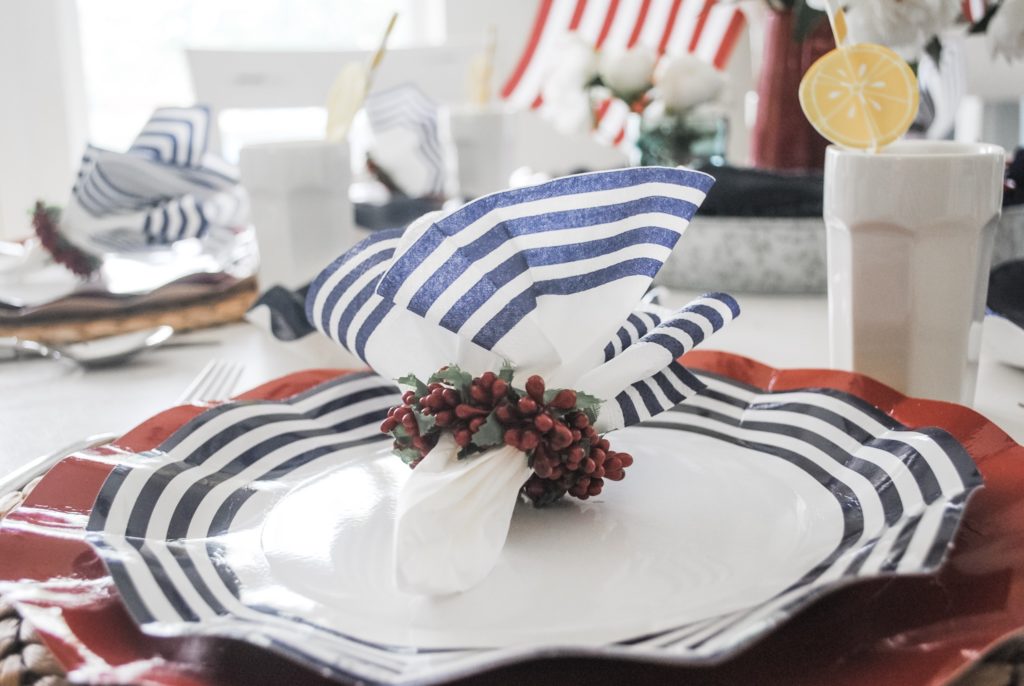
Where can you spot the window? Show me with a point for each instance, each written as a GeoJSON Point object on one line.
{"type": "Point", "coordinates": [133, 52]}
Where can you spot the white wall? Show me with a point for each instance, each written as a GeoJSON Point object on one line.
{"type": "Point", "coordinates": [42, 111]}
{"type": "Point", "coordinates": [466, 22]}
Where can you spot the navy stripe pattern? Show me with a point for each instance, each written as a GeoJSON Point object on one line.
{"type": "Point", "coordinates": [407, 143]}
{"type": "Point", "coordinates": [643, 377]}
{"type": "Point", "coordinates": [171, 526]}
{"type": "Point", "coordinates": [532, 275]}
{"type": "Point", "coordinates": [175, 135]}
{"type": "Point", "coordinates": [166, 188]}
{"type": "Point", "coordinates": [343, 303]}
{"type": "Point", "coordinates": [282, 312]}
{"type": "Point", "coordinates": [484, 270]}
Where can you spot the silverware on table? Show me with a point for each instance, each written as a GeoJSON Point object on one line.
{"type": "Point", "coordinates": [215, 382]}
{"type": "Point", "coordinates": [98, 352]}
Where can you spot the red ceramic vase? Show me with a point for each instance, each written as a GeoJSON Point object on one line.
{"type": "Point", "coordinates": [782, 136]}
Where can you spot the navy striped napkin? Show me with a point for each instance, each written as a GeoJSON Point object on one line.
{"type": "Point", "coordinates": [546, 277]}
{"type": "Point", "coordinates": [407, 143]}
{"type": "Point", "coordinates": [167, 187]}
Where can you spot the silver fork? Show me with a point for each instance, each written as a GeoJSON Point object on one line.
{"type": "Point", "coordinates": [215, 382]}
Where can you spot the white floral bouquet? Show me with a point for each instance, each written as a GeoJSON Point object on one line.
{"type": "Point", "coordinates": [666, 92]}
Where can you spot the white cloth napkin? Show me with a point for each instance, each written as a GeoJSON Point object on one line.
{"type": "Point", "coordinates": [549, 278]}
{"type": "Point", "coordinates": [167, 187]}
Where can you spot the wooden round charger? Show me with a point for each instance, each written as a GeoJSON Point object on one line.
{"type": "Point", "coordinates": [197, 314]}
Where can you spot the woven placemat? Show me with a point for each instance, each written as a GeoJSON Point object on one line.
{"type": "Point", "coordinates": [222, 308]}
{"type": "Point", "coordinates": [24, 661]}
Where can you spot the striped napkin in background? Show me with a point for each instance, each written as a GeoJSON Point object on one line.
{"type": "Point", "coordinates": [167, 187]}
{"type": "Point", "coordinates": [403, 135]}
{"type": "Point", "coordinates": [549, 278]}
{"type": "Point", "coordinates": [943, 85]}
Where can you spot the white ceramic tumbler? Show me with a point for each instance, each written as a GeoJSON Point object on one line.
{"type": "Point", "coordinates": [910, 234]}
{"type": "Point", "coordinates": [485, 143]}
{"type": "Point", "coordinates": [300, 207]}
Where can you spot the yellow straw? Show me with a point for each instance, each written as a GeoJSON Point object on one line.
{"type": "Point", "coordinates": [837, 19]}
{"type": "Point", "coordinates": [481, 69]}
{"type": "Point", "coordinates": [379, 55]}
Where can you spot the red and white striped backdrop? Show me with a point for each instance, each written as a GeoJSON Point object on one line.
{"type": "Point", "coordinates": [706, 28]}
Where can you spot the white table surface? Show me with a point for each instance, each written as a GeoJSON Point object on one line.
{"type": "Point", "coordinates": [45, 405]}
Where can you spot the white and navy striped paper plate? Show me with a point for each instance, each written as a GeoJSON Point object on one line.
{"type": "Point", "coordinates": [268, 522]}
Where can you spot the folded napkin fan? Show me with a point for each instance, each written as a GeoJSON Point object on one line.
{"type": "Point", "coordinates": [547, 279]}
{"type": "Point", "coordinates": [405, 141]}
{"type": "Point", "coordinates": [167, 187]}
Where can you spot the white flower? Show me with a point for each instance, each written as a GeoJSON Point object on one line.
{"type": "Point", "coordinates": [568, 110]}
{"type": "Point", "coordinates": [906, 26]}
{"type": "Point", "coordinates": [627, 73]}
{"type": "Point", "coordinates": [1006, 30]}
{"type": "Point", "coordinates": [566, 101]}
{"type": "Point", "coordinates": [653, 113]}
{"type": "Point", "coordinates": [683, 81]}
{"type": "Point", "coordinates": [576, 65]}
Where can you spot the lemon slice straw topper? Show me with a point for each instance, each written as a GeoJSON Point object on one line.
{"type": "Point", "coordinates": [861, 96]}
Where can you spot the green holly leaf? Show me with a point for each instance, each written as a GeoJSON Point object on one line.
{"type": "Point", "coordinates": [453, 376]}
{"type": "Point", "coordinates": [412, 381]}
{"type": "Point", "coordinates": [425, 422]}
{"type": "Point", "coordinates": [589, 405]}
{"type": "Point", "coordinates": [490, 433]}
{"type": "Point", "coordinates": [408, 455]}
{"type": "Point", "coordinates": [506, 373]}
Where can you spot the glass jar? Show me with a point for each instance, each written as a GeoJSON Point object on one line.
{"type": "Point", "coordinates": [692, 137]}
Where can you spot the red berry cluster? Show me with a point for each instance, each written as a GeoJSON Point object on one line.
{"type": "Point", "coordinates": [45, 221]}
{"type": "Point", "coordinates": [423, 417]}
{"type": "Point", "coordinates": [553, 427]}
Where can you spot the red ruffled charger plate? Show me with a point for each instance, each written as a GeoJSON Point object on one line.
{"type": "Point", "coordinates": [891, 630]}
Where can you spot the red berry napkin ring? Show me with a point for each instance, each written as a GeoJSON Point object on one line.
{"type": "Point", "coordinates": [46, 221]}
{"type": "Point", "coordinates": [554, 427]}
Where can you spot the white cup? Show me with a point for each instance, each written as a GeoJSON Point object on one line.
{"type": "Point", "coordinates": [910, 235]}
{"type": "Point", "coordinates": [485, 143]}
{"type": "Point", "coordinates": [298, 193]}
